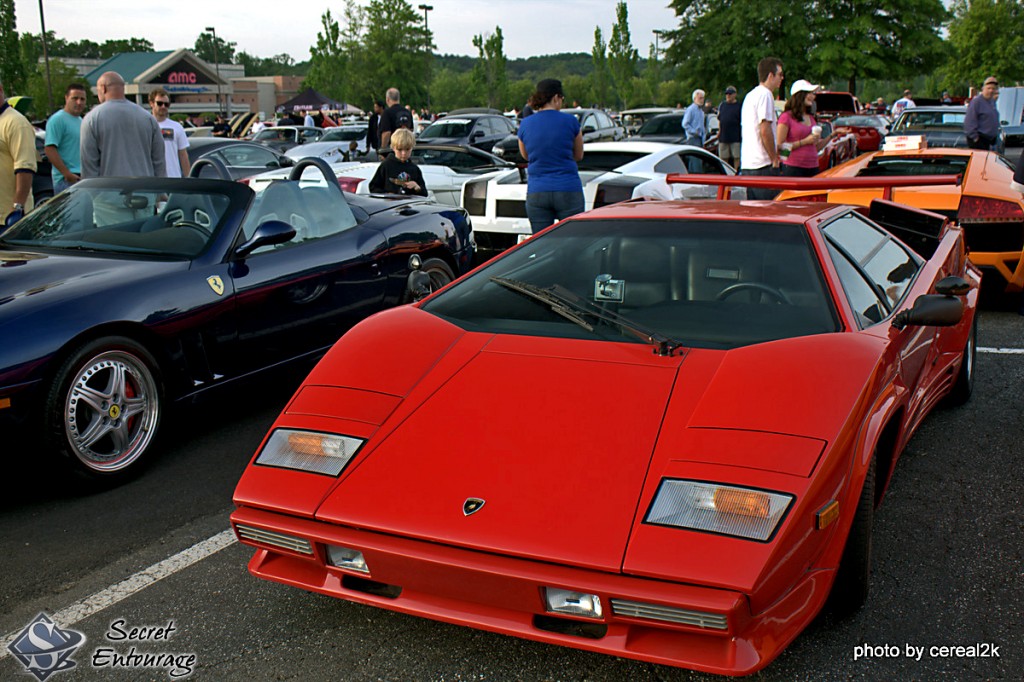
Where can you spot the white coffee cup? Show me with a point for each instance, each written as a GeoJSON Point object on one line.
{"type": "Point", "coordinates": [816, 130]}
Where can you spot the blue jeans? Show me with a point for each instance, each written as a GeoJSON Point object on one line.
{"type": "Point", "coordinates": [545, 208]}
{"type": "Point", "coordinates": [758, 192]}
{"type": "Point", "coordinates": [59, 186]}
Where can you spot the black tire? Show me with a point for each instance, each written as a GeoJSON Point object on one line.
{"type": "Point", "coordinates": [104, 408]}
{"type": "Point", "coordinates": [850, 589]}
{"type": "Point", "coordinates": [440, 275]}
{"type": "Point", "coordinates": [964, 385]}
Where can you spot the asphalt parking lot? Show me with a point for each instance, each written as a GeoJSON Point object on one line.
{"type": "Point", "coordinates": [154, 554]}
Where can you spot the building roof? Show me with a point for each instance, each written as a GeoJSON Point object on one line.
{"type": "Point", "coordinates": [128, 64]}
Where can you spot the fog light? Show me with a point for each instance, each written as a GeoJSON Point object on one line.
{"type": "Point", "coordinates": [343, 557]}
{"type": "Point", "coordinates": [572, 603]}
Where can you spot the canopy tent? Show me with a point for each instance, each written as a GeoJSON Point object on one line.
{"type": "Point", "coordinates": [311, 100]}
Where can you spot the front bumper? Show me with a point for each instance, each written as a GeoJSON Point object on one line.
{"type": "Point", "coordinates": [710, 629]}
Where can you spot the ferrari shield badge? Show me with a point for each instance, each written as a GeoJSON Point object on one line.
{"type": "Point", "coordinates": [216, 283]}
{"type": "Point", "coordinates": [472, 505]}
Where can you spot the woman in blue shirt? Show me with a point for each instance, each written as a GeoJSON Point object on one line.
{"type": "Point", "coordinates": [551, 143]}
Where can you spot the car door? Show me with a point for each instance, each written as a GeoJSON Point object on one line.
{"type": "Point", "coordinates": [301, 296]}
{"type": "Point", "coordinates": [877, 272]}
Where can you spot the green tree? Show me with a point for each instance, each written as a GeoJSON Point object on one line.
{"type": "Point", "coordinates": [401, 48]}
{"type": "Point", "coordinates": [204, 49]}
{"type": "Point", "coordinates": [451, 90]}
{"type": "Point", "coordinates": [489, 74]}
{"type": "Point", "coordinates": [600, 76]}
{"type": "Point", "coordinates": [110, 48]}
{"type": "Point", "coordinates": [12, 69]}
{"type": "Point", "coordinates": [652, 76]}
{"type": "Point", "coordinates": [328, 61]}
{"type": "Point", "coordinates": [987, 39]}
{"type": "Point", "coordinates": [875, 38]}
{"type": "Point", "coordinates": [622, 56]}
{"type": "Point", "coordinates": [720, 43]}
{"type": "Point", "coordinates": [84, 49]}
{"type": "Point", "coordinates": [60, 76]}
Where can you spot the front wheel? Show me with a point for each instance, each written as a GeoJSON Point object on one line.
{"type": "Point", "coordinates": [850, 589]}
{"type": "Point", "coordinates": [104, 407]}
{"type": "Point", "coordinates": [964, 386]}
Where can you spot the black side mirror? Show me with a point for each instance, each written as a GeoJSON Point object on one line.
{"type": "Point", "coordinates": [417, 286]}
{"type": "Point", "coordinates": [269, 233]}
{"type": "Point", "coordinates": [931, 310]}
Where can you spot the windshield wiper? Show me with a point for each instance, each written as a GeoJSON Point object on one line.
{"type": "Point", "coordinates": [570, 306]}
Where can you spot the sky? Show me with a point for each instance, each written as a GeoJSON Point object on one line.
{"type": "Point", "coordinates": [265, 28]}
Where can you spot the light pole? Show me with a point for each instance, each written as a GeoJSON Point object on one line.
{"type": "Point", "coordinates": [216, 65]}
{"type": "Point", "coordinates": [46, 58]}
{"type": "Point", "coordinates": [426, 28]}
{"type": "Point", "coordinates": [426, 8]}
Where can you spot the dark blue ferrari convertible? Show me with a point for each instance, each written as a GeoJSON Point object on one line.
{"type": "Point", "coordinates": [122, 296]}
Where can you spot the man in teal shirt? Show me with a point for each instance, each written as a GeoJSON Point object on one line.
{"type": "Point", "coordinates": [63, 137]}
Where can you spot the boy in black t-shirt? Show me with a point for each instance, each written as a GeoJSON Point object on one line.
{"type": "Point", "coordinates": [397, 174]}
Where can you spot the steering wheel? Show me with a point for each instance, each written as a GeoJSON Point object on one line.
{"type": "Point", "coordinates": [776, 294]}
{"type": "Point", "coordinates": [204, 231]}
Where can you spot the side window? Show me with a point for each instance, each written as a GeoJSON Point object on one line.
{"type": "Point", "coordinates": [699, 163]}
{"type": "Point", "coordinates": [671, 164]}
{"type": "Point", "coordinates": [603, 120]}
{"type": "Point", "coordinates": [589, 121]}
{"type": "Point", "coordinates": [252, 157]}
{"type": "Point", "coordinates": [861, 295]}
{"type": "Point", "coordinates": [887, 265]}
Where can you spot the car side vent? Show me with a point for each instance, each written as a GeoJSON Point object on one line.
{"type": "Point", "coordinates": [567, 626]}
{"type": "Point", "coordinates": [357, 584]}
{"type": "Point", "coordinates": [268, 537]}
{"type": "Point", "coordinates": [669, 614]}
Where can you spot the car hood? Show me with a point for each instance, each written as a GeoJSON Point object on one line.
{"type": "Point", "coordinates": [32, 281]}
{"type": "Point", "coordinates": [561, 433]}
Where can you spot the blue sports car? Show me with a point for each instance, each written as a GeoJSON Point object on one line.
{"type": "Point", "coordinates": [121, 296]}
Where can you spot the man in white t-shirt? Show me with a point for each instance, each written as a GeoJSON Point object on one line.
{"type": "Point", "coordinates": [758, 154]}
{"type": "Point", "coordinates": [175, 140]}
{"type": "Point", "coordinates": [905, 102]}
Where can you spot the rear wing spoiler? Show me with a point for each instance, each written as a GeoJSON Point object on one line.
{"type": "Point", "coordinates": [726, 182]}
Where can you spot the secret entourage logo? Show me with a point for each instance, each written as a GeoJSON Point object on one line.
{"type": "Point", "coordinates": [43, 648]}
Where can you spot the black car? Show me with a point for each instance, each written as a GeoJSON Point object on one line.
{"type": "Point", "coordinates": [669, 128]}
{"type": "Point", "coordinates": [595, 125]}
{"type": "Point", "coordinates": [241, 158]}
{"type": "Point", "coordinates": [127, 295]}
{"type": "Point", "coordinates": [42, 181]}
{"type": "Point", "coordinates": [471, 130]}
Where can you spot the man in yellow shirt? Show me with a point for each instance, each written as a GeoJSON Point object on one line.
{"type": "Point", "coordinates": [17, 162]}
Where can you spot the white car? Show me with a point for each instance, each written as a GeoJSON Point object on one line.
{"type": "Point", "coordinates": [445, 168]}
{"type": "Point", "coordinates": [334, 144]}
{"type": "Point", "coordinates": [610, 172]}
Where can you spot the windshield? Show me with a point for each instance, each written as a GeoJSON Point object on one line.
{"type": "Point", "coordinates": [864, 121]}
{"type": "Point", "coordinates": [453, 127]}
{"type": "Point", "coordinates": [275, 134]}
{"type": "Point", "coordinates": [699, 283]}
{"type": "Point", "coordinates": [930, 120]}
{"type": "Point", "coordinates": [151, 216]}
{"type": "Point", "coordinates": [662, 125]}
{"type": "Point", "coordinates": [344, 135]}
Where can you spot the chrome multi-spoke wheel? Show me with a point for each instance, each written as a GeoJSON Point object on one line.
{"type": "Point", "coordinates": [105, 406]}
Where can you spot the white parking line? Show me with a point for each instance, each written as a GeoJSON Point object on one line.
{"type": "Point", "coordinates": [1002, 351]}
{"type": "Point", "coordinates": [108, 597]}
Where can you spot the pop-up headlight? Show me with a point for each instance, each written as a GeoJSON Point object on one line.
{"type": "Point", "coordinates": [318, 453]}
{"type": "Point", "coordinates": [716, 508]}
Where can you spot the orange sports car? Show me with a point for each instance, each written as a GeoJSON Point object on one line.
{"type": "Point", "coordinates": [989, 211]}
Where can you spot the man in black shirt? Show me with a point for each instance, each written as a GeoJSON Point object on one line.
{"type": "Point", "coordinates": [394, 117]}
{"type": "Point", "coordinates": [729, 135]}
{"type": "Point", "coordinates": [373, 132]}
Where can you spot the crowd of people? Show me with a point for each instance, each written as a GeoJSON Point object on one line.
{"type": "Point", "coordinates": [118, 138]}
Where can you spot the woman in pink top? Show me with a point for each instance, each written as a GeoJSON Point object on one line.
{"type": "Point", "coordinates": [797, 133]}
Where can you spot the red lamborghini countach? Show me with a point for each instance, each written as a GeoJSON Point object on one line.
{"type": "Point", "coordinates": [656, 430]}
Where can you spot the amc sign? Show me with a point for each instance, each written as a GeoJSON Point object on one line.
{"type": "Point", "coordinates": [182, 77]}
